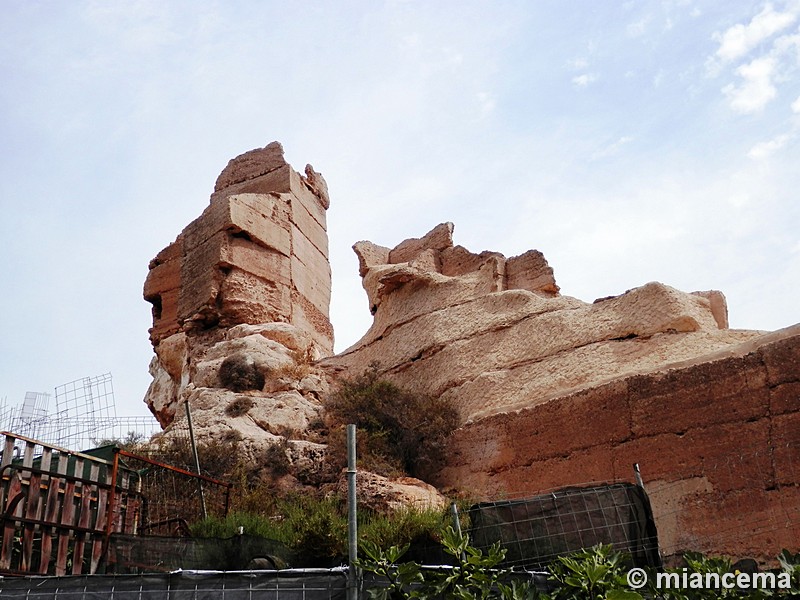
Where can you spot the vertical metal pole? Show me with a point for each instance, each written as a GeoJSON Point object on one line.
{"type": "Point", "coordinates": [352, 525]}
{"type": "Point", "coordinates": [457, 525]}
{"type": "Point", "coordinates": [638, 475]}
{"type": "Point", "coordinates": [196, 461]}
{"type": "Point", "coordinates": [456, 519]}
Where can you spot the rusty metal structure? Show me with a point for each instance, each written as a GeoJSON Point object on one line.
{"type": "Point", "coordinates": [84, 415]}
{"type": "Point", "coordinates": [59, 508]}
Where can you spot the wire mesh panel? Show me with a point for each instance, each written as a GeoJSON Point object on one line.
{"type": "Point", "coordinates": [85, 416]}
{"type": "Point", "coordinates": [308, 584]}
{"type": "Point", "coordinates": [534, 531]}
{"type": "Point", "coordinates": [173, 497]}
{"type": "Point", "coordinates": [28, 419]}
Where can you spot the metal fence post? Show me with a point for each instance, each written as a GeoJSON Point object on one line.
{"type": "Point", "coordinates": [638, 474]}
{"type": "Point", "coordinates": [457, 525]}
{"type": "Point", "coordinates": [352, 515]}
{"type": "Point", "coordinates": [196, 460]}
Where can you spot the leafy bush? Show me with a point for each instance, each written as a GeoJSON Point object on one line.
{"type": "Point", "coordinates": [698, 564]}
{"type": "Point", "coordinates": [402, 526]}
{"type": "Point", "coordinates": [239, 372]}
{"type": "Point", "coordinates": [316, 528]}
{"type": "Point", "coordinates": [239, 406]}
{"type": "Point", "coordinates": [399, 431]}
{"type": "Point", "coordinates": [276, 458]}
{"type": "Point", "coordinates": [473, 576]}
{"type": "Point", "coordinates": [595, 573]}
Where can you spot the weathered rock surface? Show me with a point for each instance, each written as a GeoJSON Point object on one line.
{"type": "Point", "coordinates": [246, 284]}
{"type": "Point", "coordinates": [381, 493]}
{"type": "Point", "coordinates": [552, 391]}
{"type": "Point", "coordinates": [555, 392]}
{"type": "Point", "coordinates": [495, 335]}
{"type": "Point", "coordinates": [257, 254]}
{"type": "Point", "coordinates": [717, 439]}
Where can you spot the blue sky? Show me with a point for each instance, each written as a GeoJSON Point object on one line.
{"type": "Point", "coordinates": [628, 141]}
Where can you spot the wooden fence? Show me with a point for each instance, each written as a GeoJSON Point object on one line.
{"type": "Point", "coordinates": [59, 508]}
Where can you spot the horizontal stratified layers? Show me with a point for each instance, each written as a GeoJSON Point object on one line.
{"type": "Point", "coordinates": [258, 254]}
{"type": "Point", "coordinates": [494, 334]}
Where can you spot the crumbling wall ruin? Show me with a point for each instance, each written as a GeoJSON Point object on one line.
{"type": "Point", "coordinates": [552, 391]}
{"type": "Point", "coordinates": [257, 255]}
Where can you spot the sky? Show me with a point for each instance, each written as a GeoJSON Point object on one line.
{"type": "Point", "coordinates": [629, 141]}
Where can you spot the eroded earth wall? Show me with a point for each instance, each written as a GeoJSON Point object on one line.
{"type": "Point", "coordinates": [556, 392]}
{"type": "Point", "coordinates": [717, 441]}
{"type": "Point", "coordinates": [551, 391]}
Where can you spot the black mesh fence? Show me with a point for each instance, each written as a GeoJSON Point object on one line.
{"type": "Point", "coordinates": [147, 554]}
{"type": "Point", "coordinates": [534, 531]}
{"type": "Point", "coordinates": [320, 584]}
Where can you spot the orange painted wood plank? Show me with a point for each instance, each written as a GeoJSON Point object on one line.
{"type": "Point", "coordinates": [15, 496]}
{"type": "Point", "coordinates": [84, 521]}
{"type": "Point", "coordinates": [72, 493]}
{"type": "Point", "coordinates": [54, 501]}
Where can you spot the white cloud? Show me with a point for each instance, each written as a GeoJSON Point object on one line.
{"type": "Point", "coordinates": [486, 102]}
{"type": "Point", "coordinates": [796, 106]}
{"type": "Point", "coordinates": [763, 150]}
{"type": "Point", "coordinates": [578, 63]}
{"type": "Point", "coordinates": [756, 90]}
{"type": "Point", "coordinates": [740, 39]}
{"type": "Point", "coordinates": [585, 79]}
{"type": "Point", "coordinates": [612, 148]}
{"type": "Point", "coordinates": [638, 28]}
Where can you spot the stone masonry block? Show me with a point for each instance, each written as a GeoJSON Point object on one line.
{"type": "Point", "coordinates": [165, 321]}
{"type": "Point", "coordinates": [163, 277]}
{"type": "Point", "coordinates": [267, 264]}
{"type": "Point", "coordinates": [531, 272]}
{"type": "Point", "coordinates": [306, 224]}
{"type": "Point", "coordinates": [262, 217]}
{"type": "Point", "coordinates": [725, 391]}
{"type": "Point", "coordinates": [306, 316]}
{"type": "Point", "coordinates": [308, 199]}
{"type": "Point", "coordinates": [246, 298]}
{"type": "Point", "coordinates": [782, 359]}
{"type": "Point", "coordinates": [251, 165]}
{"type": "Point", "coordinates": [557, 428]}
{"type": "Point", "coordinates": [785, 398]}
{"type": "Point", "coordinates": [310, 287]}
{"type": "Point", "coordinates": [786, 448]}
{"type": "Point", "coordinates": [200, 268]}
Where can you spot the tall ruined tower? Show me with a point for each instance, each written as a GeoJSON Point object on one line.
{"type": "Point", "coordinates": [258, 254]}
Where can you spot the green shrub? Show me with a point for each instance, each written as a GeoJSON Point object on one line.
{"type": "Point", "coordinates": [399, 431]}
{"type": "Point", "coordinates": [239, 372]}
{"type": "Point", "coordinates": [402, 526]}
{"type": "Point", "coordinates": [276, 457]}
{"type": "Point", "coordinates": [595, 573]}
{"type": "Point", "coordinates": [473, 576]}
{"type": "Point", "coordinates": [239, 406]}
{"type": "Point", "coordinates": [316, 528]}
